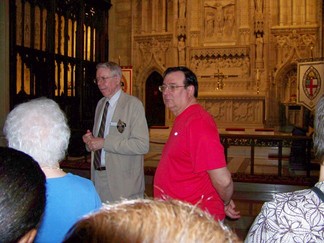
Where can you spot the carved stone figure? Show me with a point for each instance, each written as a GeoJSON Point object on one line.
{"type": "Point", "coordinates": [219, 19]}
{"type": "Point", "coordinates": [246, 67]}
{"type": "Point", "coordinates": [182, 51]}
{"type": "Point", "coordinates": [259, 47]}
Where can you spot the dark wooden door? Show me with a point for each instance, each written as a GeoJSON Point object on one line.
{"type": "Point", "coordinates": [155, 109]}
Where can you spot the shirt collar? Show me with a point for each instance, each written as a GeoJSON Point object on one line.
{"type": "Point", "coordinates": [113, 100]}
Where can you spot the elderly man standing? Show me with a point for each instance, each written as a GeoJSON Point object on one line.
{"type": "Point", "coordinates": [192, 166]}
{"type": "Point", "coordinates": [119, 139]}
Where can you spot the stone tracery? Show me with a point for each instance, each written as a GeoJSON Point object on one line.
{"type": "Point", "coordinates": [237, 37]}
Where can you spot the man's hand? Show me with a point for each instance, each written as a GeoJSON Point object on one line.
{"type": "Point", "coordinates": [87, 137]}
{"type": "Point", "coordinates": [96, 143]}
{"type": "Point", "coordinates": [92, 142]}
{"type": "Point", "coordinates": [231, 212]}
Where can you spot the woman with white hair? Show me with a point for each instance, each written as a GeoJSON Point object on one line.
{"type": "Point", "coordinates": [39, 128]}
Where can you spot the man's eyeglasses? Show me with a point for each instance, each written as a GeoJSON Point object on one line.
{"type": "Point", "coordinates": [102, 79]}
{"type": "Point", "coordinates": [171, 87]}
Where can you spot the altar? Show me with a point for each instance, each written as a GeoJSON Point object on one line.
{"type": "Point", "coordinates": [266, 138]}
{"type": "Point", "coordinates": [235, 111]}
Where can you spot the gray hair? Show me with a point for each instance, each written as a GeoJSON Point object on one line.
{"type": "Point", "coordinates": [318, 136]}
{"type": "Point", "coordinates": [112, 66]}
{"type": "Point", "coordinates": [39, 128]}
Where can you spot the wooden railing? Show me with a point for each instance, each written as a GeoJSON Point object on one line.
{"type": "Point", "coordinates": [267, 140]}
{"type": "Point", "coordinates": [252, 140]}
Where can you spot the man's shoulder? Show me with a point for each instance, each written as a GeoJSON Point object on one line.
{"type": "Point", "coordinates": [198, 114]}
{"type": "Point", "coordinates": [101, 101]}
{"type": "Point", "coordinates": [128, 96]}
{"type": "Point", "coordinates": [129, 99]}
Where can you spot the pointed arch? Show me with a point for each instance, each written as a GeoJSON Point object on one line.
{"type": "Point", "coordinates": [154, 108]}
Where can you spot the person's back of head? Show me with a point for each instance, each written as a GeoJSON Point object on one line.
{"type": "Point", "coordinates": [22, 195]}
{"type": "Point", "coordinates": [38, 128]}
{"type": "Point", "coordinates": [145, 220]}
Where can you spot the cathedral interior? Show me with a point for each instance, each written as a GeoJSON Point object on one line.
{"type": "Point", "coordinates": [246, 55]}
{"type": "Point", "coordinates": [252, 58]}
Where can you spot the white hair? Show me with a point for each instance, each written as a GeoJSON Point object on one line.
{"type": "Point", "coordinates": [39, 128]}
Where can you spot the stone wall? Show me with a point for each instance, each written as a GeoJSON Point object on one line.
{"type": "Point", "coordinates": [244, 52]}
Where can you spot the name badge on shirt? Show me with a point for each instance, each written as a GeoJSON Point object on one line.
{"type": "Point", "coordinates": [120, 125]}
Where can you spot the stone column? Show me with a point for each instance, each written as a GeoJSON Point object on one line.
{"type": "Point", "coordinates": [154, 16]}
{"type": "Point", "coordinates": [144, 16]}
{"type": "Point", "coordinates": [282, 8]}
{"type": "Point", "coordinates": [163, 17]}
{"type": "Point", "coordinates": [298, 16]}
{"type": "Point", "coordinates": [310, 12]}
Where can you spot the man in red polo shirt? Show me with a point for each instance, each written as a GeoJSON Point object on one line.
{"type": "Point", "coordinates": [192, 166]}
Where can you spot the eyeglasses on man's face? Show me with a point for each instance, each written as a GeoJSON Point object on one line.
{"type": "Point", "coordinates": [171, 87]}
{"type": "Point", "coordinates": [102, 79]}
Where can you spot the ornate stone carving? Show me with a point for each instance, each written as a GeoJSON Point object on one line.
{"type": "Point", "coordinates": [298, 41]}
{"type": "Point", "coordinates": [245, 111]}
{"type": "Point", "coordinates": [219, 109]}
{"type": "Point", "coordinates": [224, 51]}
{"type": "Point", "coordinates": [219, 21]}
{"type": "Point", "coordinates": [234, 110]}
{"type": "Point", "coordinates": [232, 36]}
{"type": "Point", "coordinates": [205, 63]}
{"type": "Point", "coordinates": [258, 16]}
{"type": "Point", "coordinates": [151, 46]}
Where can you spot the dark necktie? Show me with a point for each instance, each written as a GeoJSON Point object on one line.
{"type": "Point", "coordinates": [97, 154]}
